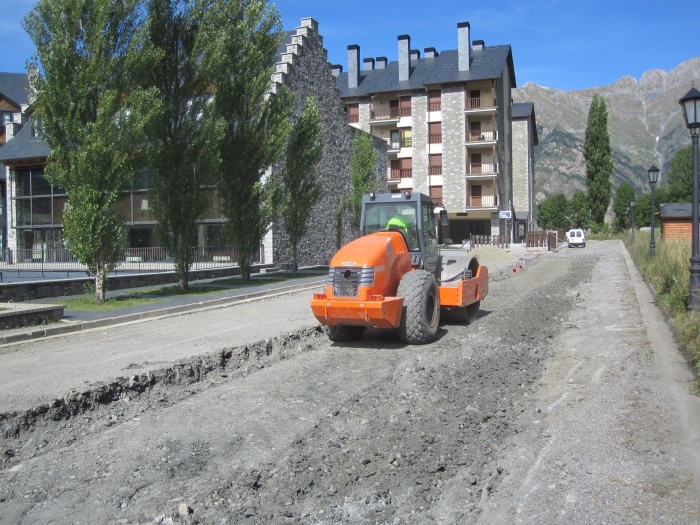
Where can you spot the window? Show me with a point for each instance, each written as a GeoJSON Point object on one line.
{"type": "Point", "coordinates": [435, 164]}
{"type": "Point", "coordinates": [36, 201]}
{"type": "Point", "coordinates": [435, 132]}
{"type": "Point", "coordinates": [406, 168]}
{"type": "Point", "coordinates": [434, 101]}
{"type": "Point", "coordinates": [406, 138]}
{"type": "Point", "coordinates": [405, 106]}
{"type": "Point", "coordinates": [436, 195]}
{"type": "Point", "coordinates": [353, 113]}
{"type": "Point", "coordinates": [5, 117]}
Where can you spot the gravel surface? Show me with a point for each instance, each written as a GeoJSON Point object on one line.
{"type": "Point", "coordinates": [554, 406]}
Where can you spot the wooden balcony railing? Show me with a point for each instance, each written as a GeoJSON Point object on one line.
{"type": "Point", "coordinates": [435, 138]}
{"type": "Point", "coordinates": [353, 119]}
{"type": "Point", "coordinates": [435, 106]}
{"type": "Point", "coordinates": [484, 168]}
{"type": "Point", "coordinates": [385, 113]}
{"type": "Point", "coordinates": [436, 170]}
{"type": "Point", "coordinates": [397, 174]}
{"type": "Point", "coordinates": [406, 173]}
{"type": "Point", "coordinates": [481, 136]}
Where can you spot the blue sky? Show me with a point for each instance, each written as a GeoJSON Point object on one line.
{"type": "Point", "coordinates": [562, 44]}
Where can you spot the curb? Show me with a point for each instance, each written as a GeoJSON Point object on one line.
{"type": "Point", "coordinates": [68, 327]}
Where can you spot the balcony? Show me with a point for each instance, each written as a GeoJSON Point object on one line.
{"type": "Point", "coordinates": [482, 201]}
{"type": "Point", "coordinates": [435, 106]}
{"type": "Point", "coordinates": [481, 137]}
{"type": "Point", "coordinates": [436, 170]}
{"type": "Point", "coordinates": [435, 138]}
{"type": "Point", "coordinates": [482, 170]}
{"type": "Point", "coordinates": [480, 104]}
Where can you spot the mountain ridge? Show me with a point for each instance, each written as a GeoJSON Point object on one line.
{"type": "Point", "coordinates": [645, 123]}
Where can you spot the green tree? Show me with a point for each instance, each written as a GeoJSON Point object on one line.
{"type": "Point", "coordinates": [680, 176]}
{"type": "Point", "coordinates": [554, 212]}
{"type": "Point", "coordinates": [580, 210]}
{"type": "Point", "coordinates": [301, 186]}
{"type": "Point", "coordinates": [92, 117]}
{"type": "Point", "coordinates": [243, 36]}
{"type": "Point", "coordinates": [184, 135]}
{"type": "Point", "coordinates": [363, 178]}
{"type": "Point", "coordinates": [598, 154]}
{"type": "Point", "coordinates": [623, 196]}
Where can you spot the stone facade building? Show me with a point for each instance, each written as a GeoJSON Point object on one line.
{"type": "Point", "coordinates": [304, 68]}
{"type": "Point", "coordinates": [524, 141]}
{"type": "Point", "coordinates": [447, 120]}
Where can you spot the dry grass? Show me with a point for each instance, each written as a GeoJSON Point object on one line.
{"type": "Point", "coordinates": [669, 276]}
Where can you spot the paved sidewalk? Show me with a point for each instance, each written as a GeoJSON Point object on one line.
{"type": "Point", "coordinates": [279, 283]}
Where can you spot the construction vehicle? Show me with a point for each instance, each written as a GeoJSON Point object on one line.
{"type": "Point", "coordinates": [393, 276]}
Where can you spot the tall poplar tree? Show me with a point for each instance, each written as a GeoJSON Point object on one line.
{"type": "Point", "coordinates": [301, 186]}
{"type": "Point", "coordinates": [240, 58]}
{"type": "Point", "coordinates": [598, 154]}
{"type": "Point", "coordinates": [184, 137]}
{"type": "Point", "coordinates": [363, 178]}
{"type": "Point", "coordinates": [92, 116]}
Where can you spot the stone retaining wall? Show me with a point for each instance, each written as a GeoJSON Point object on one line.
{"type": "Point", "coordinates": [28, 291]}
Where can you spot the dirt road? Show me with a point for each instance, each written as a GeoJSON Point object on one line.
{"type": "Point", "coordinates": [565, 402]}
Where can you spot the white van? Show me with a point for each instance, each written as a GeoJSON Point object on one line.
{"type": "Point", "coordinates": [576, 238]}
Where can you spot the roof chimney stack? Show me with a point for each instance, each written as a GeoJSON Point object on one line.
{"type": "Point", "coordinates": [353, 66]}
{"type": "Point", "coordinates": [369, 64]}
{"type": "Point", "coordinates": [415, 55]}
{"type": "Point", "coordinates": [381, 62]}
{"type": "Point", "coordinates": [404, 57]}
{"type": "Point", "coordinates": [336, 69]}
{"type": "Point", "coordinates": [463, 46]}
{"type": "Point", "coordinates": [430, 52]}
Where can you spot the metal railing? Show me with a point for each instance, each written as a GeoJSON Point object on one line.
{"type": "Point", "coordinates": [384, 113]}
{"type": "Point", "coordinates": [132, 259]}
{"type": "Point", "coordinates": [481, 136]}
{"type": "Point", "coordinates": [483, 168]}
{"type": "Point", "coordinates": [481, 102]}
{"type": "Point", "coordinates": [484, 201]}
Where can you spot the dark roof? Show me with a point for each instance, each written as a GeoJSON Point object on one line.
{"type": "Point", "coordinates": [526, 110]}
{"type": "Point", "coordinates": [24, 146]}
{"type": "Point", "coordinates": [15, 88]}
{"type": "Point", "coordinates": [486, 63]}
{"type": "Point", "coordinates": [676, 210]}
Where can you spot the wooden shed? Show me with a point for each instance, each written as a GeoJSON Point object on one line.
{"type": "Point", "coordinates": [676, 221]}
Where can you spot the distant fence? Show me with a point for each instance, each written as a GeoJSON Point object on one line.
{"type": "Point", "coordinates": [500, 241]}
{"type": "Point", "coordinates": [132, 259]}
{"type": "Point", "coordinates": [544, 239]}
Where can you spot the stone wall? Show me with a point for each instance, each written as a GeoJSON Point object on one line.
{"type": "Point", "coordinates": [308, 73]}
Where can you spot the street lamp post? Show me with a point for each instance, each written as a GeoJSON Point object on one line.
{"type": "Point", "coordinates": [691, 113]}
{"type": "Point", "coordinates": [632, 219]}
{"type": "Point", "coordinates": [653, 179]}
{"type": "Point", "coordinates": [627, 220]}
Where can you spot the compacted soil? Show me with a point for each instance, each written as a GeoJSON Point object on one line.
{"type": "Point", "coordinates": [565, 401]}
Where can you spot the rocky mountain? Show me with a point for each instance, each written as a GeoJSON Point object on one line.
{"type": "Point", "coordinates": [645, 123]}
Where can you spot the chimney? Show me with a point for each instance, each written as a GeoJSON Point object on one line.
{"type": "Point", "coordinates": [404, 58]}
{"type": "Point", "coordinates": [353, 66]}
{"type": "Point", "coordinates": [430, 52]}
{"type": "Point", "coordinates": [415, 55]}
{"type": "Point", "coordinates": [369, 64]}
{"type": "Point", "coordinates": [478, 45]}
{"type": "Point", "coordinates": [336, 70]}
{"type": "Point", "coordinates": [10, 130]}
{"type": "Point", "coordinates": [381, 62]}
{"type": "Point", "coordinates": [463, 47]}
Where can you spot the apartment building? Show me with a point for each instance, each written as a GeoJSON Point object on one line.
{"type": "Point", "coordinates": [446, 118]}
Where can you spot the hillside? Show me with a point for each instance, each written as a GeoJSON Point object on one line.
{"type": "Point", "coordinates": [644, 120]}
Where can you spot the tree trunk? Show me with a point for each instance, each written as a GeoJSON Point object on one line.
{"type": "Point", "coordinates": [294, 259]}
{"type": "Point", "coordinates": [100, 278]}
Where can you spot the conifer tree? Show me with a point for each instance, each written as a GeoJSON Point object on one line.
{"type": "Point", "coordinates": [598, 155]}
